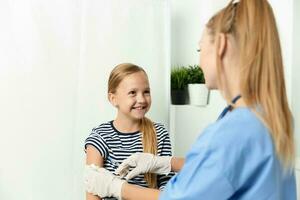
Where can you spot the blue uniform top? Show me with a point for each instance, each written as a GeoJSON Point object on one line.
{"type": "Point", "coordinates": [234, 158]}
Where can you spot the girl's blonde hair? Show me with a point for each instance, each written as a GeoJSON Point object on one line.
{"type": "Point", "coordinates": [253, 27]}
{"type": "Point", "coordinates": [149, 139]}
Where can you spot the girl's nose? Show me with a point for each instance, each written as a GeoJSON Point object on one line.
{"type": "Point", "coordinates": [141, 98]}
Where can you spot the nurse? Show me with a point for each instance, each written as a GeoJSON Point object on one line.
{"type": "Point", "coordinates": [248, 153]}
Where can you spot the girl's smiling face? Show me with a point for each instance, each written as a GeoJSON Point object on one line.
{"type": "Point", "coordinates": [132, 96]}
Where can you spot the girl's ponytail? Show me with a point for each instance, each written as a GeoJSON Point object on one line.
{"type": "Point", "coordinates": [150, 146]}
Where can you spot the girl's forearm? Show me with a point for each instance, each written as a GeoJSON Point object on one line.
{"type": "Point", "coordinates": [177, 164]}
{"type": "Point", "coordinates": [133, 192]}
{"type": "Point", "coordinates": [93, 157]}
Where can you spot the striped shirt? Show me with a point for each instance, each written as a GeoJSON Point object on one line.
{"type": "Point", "coordinates": [115, 146]}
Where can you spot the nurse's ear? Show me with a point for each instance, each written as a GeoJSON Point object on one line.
{"type": "Point", "coordinates": [112, 99]}
{"type": "Point", "coordinates": [222, 44]}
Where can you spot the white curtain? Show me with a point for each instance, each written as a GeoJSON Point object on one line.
{"type": "Point", "coordinates": [55, 58]}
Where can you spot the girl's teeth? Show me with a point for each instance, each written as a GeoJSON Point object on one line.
{"type": "Point", "coordinates": [139, 108]}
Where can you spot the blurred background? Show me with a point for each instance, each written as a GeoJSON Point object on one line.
{"type": "Point", "coordinates": [55, 59]}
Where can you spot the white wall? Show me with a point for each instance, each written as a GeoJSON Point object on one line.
{"type": "Point", "coordinates": [55, 60]}
{"type": "Point", "coordinates": [188, 19]}
{"type": "Point", "coordinates": [187, 122]}
{"type": "Point", "coordinates": [284, 17]}
{"type": "Point", "coordinates": [39, 52]}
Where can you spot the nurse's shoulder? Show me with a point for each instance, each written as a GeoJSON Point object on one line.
{"type": "Point", "coordinates": [244, 148]}
{"type": "Point", "coordinates": [238, 130]}
{"type": "Point", "coordinates": [242, 126]}
{"type": "Point", "coordinates": [242, 134]}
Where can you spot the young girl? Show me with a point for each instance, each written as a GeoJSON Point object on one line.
{"type": "Point", "coordinates": [130, 132]}
{"type": "Point", "coordinates": [248, 153]}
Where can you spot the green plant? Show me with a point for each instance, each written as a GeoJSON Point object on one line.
{"type": "Point", "coordinates": [179, 78]}
{"type": "Point", "coordinates": [195, 74]}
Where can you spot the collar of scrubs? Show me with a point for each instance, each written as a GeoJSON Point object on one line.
{"type": "Point", "coordinates": [229, 107]}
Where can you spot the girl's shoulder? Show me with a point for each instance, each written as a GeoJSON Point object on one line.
{"type": "Point", "coordinates": [104, 129]}
{"type": "Point", "coordinates": [161, 130]}
{"type": "Point", "coordinates": [159, 126]}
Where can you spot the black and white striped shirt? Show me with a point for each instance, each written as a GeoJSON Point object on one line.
{"type": "Point", "coordinates": [115, 146]}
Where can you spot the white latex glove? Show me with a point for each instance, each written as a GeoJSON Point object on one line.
{"type": "Point", "coordinates": [101, 182]}
{"type": "Point", "coordinates": [143, 163]}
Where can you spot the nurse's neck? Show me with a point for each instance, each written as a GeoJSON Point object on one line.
{"type": "Point", "coordinates": [240, 103]}
{"type": "Point", "coordinates": [233, 96]}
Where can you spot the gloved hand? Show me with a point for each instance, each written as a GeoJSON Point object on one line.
{"type": "Point", "coordinates": [101, 182]}
{"type": "Point", "coordinates": [143, 163]}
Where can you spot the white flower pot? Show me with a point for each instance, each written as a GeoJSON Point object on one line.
{"type": "Point", "coordinates": [198, 94]}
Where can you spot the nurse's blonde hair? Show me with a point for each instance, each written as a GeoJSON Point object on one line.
{"type": "Point", "coordinates": [149, 138]}
{"type": "Point", "coordinates": [253, 27]}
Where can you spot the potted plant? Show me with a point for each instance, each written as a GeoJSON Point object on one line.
{"type": "Point", "coordinates": [198, 92]}
{"type": "Point", "coordinates": [179, 78]}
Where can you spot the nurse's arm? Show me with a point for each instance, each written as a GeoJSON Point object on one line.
{"type": "Point", "coordinates": [177, 164]}
{"type": "Point", "coordinates": [134, 192]}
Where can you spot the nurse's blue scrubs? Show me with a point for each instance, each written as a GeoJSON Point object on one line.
{"type": "Point", "coordinates": [234, 158]}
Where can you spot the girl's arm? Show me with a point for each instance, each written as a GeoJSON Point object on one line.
{"type": "Point", "coordinates": [176, 164]}
{"type": "Point", "coordinates": [93, 157]}
{"type": "Point", "coordinates": [134, 192]}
